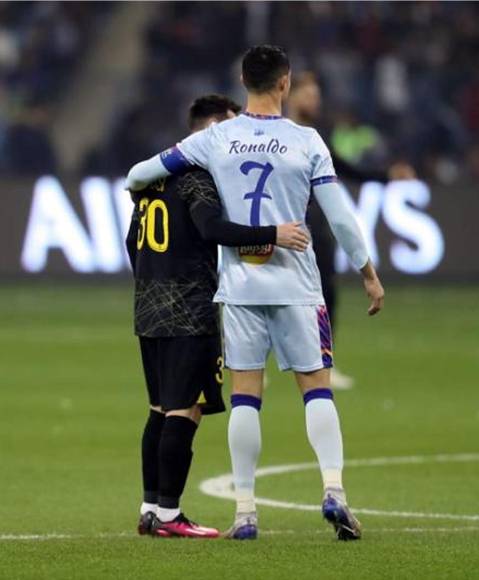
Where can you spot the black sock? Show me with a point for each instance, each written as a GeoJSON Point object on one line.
{"type": "Point", "coordinates": [150, 444]}
{"type": "Point", "coordinates": [175, 459]}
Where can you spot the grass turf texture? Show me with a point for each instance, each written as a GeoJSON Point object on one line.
{"type": "Point", "coordinates": [72, 407]}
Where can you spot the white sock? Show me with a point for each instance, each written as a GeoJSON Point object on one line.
{"type": "Point", "coordinates": [324, 435]}
{"type": "Point", "coordinates": [167, 514]}
{"type": "Point", "coordinates": [148, 507]}
{"type": "Point", "coordinates": [244, 438]}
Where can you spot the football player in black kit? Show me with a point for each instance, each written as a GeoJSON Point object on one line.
{"type": "Point", "coordinates": [172, 242]}
{"type": "Point", "coordinates": [303, 108]}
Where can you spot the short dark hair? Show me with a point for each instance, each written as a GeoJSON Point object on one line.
{"type": "Point", "coordinates": [262, 66]}
{"type": "Point", "coordinates": [210, 106]}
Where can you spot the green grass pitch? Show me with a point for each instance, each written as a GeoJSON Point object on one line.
{"type": "Point", "coordinates": [72, 406]}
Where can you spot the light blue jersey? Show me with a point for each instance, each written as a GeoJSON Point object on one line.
{"type": "Point", "coordinates": [264, 168]}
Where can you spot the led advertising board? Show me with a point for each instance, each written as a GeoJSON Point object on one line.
{"type": "Point", "coordinates": [52, 226]}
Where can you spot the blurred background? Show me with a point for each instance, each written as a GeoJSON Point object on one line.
{"type": "Point", "coordinates": [89, 88]}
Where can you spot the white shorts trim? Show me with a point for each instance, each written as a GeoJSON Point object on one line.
{"type": "Point", "coordinates": [243, 367]}
{"type": "Point", "coordinates": [309, 369]}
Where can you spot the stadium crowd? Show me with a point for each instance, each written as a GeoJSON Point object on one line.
{"type": "Point", "coordinates": [398, 79]}
{"type": "Point", "coordinates": [40, 45]}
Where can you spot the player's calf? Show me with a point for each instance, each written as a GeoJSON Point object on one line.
{"type": "Point", "coordinates": [244, 437]}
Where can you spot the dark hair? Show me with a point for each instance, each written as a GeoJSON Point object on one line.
{"type": "Point", "coordinates": [262, 66]}
{"type": "Point", "coordinates": [210, 106]}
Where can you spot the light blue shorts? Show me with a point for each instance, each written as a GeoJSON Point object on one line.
{"type": "Point", "coordinates": [300, 337]}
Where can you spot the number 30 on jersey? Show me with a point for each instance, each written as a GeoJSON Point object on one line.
{"type": "Point", "coordinates": [150, 211]}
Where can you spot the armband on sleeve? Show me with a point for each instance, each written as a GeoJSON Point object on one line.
{"type": "Point", "coordinates": [174, 161]}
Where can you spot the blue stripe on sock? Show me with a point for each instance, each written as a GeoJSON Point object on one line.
{"type": "Point", "coordinates": [246, 400]}
{"type": "Point", "coordinates": [318, 394]}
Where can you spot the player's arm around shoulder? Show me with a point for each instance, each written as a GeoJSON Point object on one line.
{"type": "Point", "coordinates": [198, 190]}
{"type": "Point", "coordinates": [193, 150]}
{"type": "Point", "coordinates": [144, 173]}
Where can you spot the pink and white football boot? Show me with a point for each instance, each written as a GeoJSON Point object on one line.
{"type": "Point", "coordinates": [182, 527]}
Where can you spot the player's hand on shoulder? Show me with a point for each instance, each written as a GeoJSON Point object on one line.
{"type": "Point", "coordinates": [292, 236]}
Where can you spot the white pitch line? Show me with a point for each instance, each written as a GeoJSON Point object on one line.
{"type": "Point", "coordinates": [53, 536]}
{"type": "Point", "coordinates": [40, 537]}
{"type": "Point", "coordinates": [376, 531]}
{"type": "Point", "coordinates": [46, 537]}
{"type": "Point", "coordinates": [414, 459]}
{"type": "Point", "coordinates": [419, 515]}
{"type": "Point", "coordinates": [222, 486]}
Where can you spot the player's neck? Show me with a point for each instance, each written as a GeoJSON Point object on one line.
{"type": "Point", "coordinates": [267, 104]}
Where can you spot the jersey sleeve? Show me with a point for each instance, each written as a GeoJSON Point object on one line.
{"type": "Point", "coordinates": [198, 186]}
{"type": "Point", "coordinates": [145, 172]}
{"type": "Point", "coordinates": [332, 200]}
{"type": "Point", "coordinates": [322, 168]}
{"type": "Point", "coordinates": [196, 148]}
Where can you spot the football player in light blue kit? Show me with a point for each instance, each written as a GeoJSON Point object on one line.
{"type": "Point", "coordinates": [265, 168]}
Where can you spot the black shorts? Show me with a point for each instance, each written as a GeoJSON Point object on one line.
{"type": "Point", "coordinates": [183, 370]}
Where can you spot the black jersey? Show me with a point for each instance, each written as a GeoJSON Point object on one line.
{"type": "Point", "coordinates": [172, 242]}
{"type": "Point", "coordinates": [175, 270]}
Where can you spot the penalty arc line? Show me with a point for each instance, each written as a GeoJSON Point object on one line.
{"type": "Point", "coordinates": [222, 486]}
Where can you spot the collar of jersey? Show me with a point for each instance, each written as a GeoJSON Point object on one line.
{"type": "Point", "coordinates": [262, 117]}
